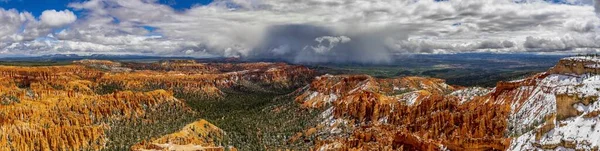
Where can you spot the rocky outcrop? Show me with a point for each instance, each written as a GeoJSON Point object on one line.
{"type": "Point", "coordinates": [200, 135]}
{"type": "Point", "coordinates": [414, 113]}
{"type": "Point", "coordinates": [326, 89]}
{"type": "Point", "coordinates": [577, 65]}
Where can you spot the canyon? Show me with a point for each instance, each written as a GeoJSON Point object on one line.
{"type": "Point", "coordinates": [168, 105]}
{"type": "Point", "coordinates": [97, 104]}
{"type": "Point", "coordinates": [554, 110]}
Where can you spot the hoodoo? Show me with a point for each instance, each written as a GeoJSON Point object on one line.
{"type": "Point", "coordinates": [557, 109]}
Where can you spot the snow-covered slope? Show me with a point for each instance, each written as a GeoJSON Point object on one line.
{"type": "Point", "coordinates": [468, 94]}
{"type": "Point", "coordinates": [556, 110]}
{"type": "Point", "coordinates": [562, 113]}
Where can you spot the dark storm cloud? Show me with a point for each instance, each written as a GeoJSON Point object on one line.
{"type": "Point", "coordinates": [300, 43]}
{"type": "Point", "coordinates": [561, 44]}
{"type": "Point", "coordinates": [597, 6]}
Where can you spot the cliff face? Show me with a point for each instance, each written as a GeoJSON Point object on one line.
{"type": "Point", "coordinates": [409, 113]}
{"type": "Point", "coordinates": [553, 110]}
{"type": "Point", "coordinates": [208, 79]}
{"type": "Point", "coordinates": [560, 110]}
{"type": "Point", "coordinates": [577, 66]}
{"type": "Point", "coordinates": [326, 89]}
{"type": "Point", "coordinates": [75, 107]}
{"type": "Point", "coordinates": [277, 75]}
{"type": "Point", "coordinates": [556, 109]}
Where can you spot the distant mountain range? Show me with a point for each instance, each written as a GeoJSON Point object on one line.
{"type": "Point", "coordinates": [71, 57]}
{"type": "Point", "coordinates": [60, 57]}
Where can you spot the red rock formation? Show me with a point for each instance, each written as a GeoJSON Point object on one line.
{"type": "Point", "coordinates": [44, 118]}
{"type": "Point", "coordinates": [199, 135]}
{"type": "Point", "coordinates": [325, 89]}
{"type": "Point", "coordinates": [366, 114]}
{"type": "Point", "coordinates": [58, 108]}
{"type": "Point", "coordinates": [382, 106]}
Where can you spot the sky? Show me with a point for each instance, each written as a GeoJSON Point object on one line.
{"type": "Point", "coordinates": [361, 31]}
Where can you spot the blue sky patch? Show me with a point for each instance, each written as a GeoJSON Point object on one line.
{"type": "Point", "coordinates": [36, 7]}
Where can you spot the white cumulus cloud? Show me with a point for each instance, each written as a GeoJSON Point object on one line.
{"type": "Point", "coordinates": [57, 18]}
{"type": "Point", "coordinates": [333, 41]}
